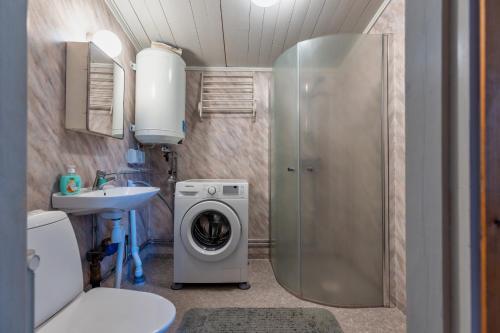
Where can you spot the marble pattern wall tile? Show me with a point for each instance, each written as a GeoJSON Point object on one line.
{"type": "Point", "coordinates": [221, 146]}
{"type": "Point", "coordinates": [392, 22]}
{"type": "Point", "coordinates": [51, 23]}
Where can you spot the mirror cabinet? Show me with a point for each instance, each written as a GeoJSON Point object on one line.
{"type": "Point", "coordinates": [95, 91]}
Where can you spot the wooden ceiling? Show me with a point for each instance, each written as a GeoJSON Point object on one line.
{"type": "Point", "coordinates": [237, 32]}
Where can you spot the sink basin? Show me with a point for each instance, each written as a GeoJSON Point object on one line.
{"type": "Point", "coordinates": [113, 199]}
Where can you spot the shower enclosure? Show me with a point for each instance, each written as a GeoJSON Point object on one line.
{"type": "Point", "coordinates": [329, 170]}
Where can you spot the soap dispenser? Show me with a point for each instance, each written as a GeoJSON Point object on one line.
{"type": "Point", "coordinates": [70, 183]}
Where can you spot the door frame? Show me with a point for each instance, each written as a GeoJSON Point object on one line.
{"type": "Point", "coordinates": [489, 141]}
{"type": "Point", "coordinates": [14, 297]}
{"type": "Point", "coordinates": [442, 163]}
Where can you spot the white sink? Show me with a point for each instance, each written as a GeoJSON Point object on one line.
{"type": "Point", "coordinates": [111, 203]}
{"type": "Point", "coordinates": [112, 200]}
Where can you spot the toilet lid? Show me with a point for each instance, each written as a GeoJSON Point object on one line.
{"type": "Point", "coordinates": [112, 310]}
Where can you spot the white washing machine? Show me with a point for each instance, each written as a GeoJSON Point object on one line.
{"type": "Point", "coordinates": [211, 232]}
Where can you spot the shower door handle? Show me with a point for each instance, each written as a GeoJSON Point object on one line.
{"type": "Point", "coordinates": [290, 169]}
{"type": "Point", "coordinates": [310, 169]}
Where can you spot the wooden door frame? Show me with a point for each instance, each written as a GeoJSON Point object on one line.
{"type": "Point", "coordinates": [489, 68]}
{"type": "Point", "coordinates": [482, 150]}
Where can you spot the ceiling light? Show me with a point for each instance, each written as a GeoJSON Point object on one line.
{"type": "Point", "coordinates": [265, 3]}
{"type": "Point", "coordinates": [108, 42]}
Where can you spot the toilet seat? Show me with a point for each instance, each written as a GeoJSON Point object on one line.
{"type": "Point", "coordinates": [105, 310]}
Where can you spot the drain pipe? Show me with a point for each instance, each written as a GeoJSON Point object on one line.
{"type": "Point", "coordinates": [118, 236]}
{"type": "Point", "coordinates": [134, 249]}
{"type": "Point", "coordinates": [139, 278]}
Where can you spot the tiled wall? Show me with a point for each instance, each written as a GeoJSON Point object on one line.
{"type": "Point", "coordinates": [220, 146]}
{"type": "Point", "coordinates": [392, 22]}
{"type": "Point", "coordinates": [50, 147]}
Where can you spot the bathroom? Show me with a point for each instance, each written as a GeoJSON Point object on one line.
{"type": "Point", "coordinates": [287, 114]}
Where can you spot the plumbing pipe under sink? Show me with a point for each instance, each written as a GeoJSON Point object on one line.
{"type": "Point", "coordinates": [134, 248]}
{"type": "Point", "coordinates": [117, 236]}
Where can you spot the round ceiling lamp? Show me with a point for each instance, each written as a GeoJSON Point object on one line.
{"type": "Point", "coordinates": [265, 3]}
{"type": "Point", "coordinates": [108, 42]}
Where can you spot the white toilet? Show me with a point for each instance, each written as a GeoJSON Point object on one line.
{"type": "Point", "coordinates": [62, 306]}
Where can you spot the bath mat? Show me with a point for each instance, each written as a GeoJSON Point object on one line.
{"type": "Point", "coordinates": [259, 320]}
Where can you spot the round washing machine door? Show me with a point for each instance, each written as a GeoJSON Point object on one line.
{"type": "Point", "coordinates": [210, 230]}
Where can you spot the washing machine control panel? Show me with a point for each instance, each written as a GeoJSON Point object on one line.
{"type": "Point", "coordinates": [213, 190]}
{"type": "Point", "coordinates": [225, 191]}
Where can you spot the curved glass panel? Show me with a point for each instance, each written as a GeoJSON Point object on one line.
{"type": "Point", "coordinates": [211, 230]}
{"type": "Point", "coordinates": [342, 168]}
{"type": "Point", "coordinates": [285, 253]}
{"type": "Point", "coordinates": [328, 215]}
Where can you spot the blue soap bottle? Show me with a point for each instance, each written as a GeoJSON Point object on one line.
{"type": "Point", "coordinates": [70, 183]}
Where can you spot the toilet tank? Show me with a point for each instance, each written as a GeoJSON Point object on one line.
{"type": "Point", "coordinates": [160, 97]}
{"type": "Point", "coordinates": [59, 277]}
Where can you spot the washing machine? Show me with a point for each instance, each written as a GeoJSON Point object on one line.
{"type": "Point", "coordinates": [211, 232]}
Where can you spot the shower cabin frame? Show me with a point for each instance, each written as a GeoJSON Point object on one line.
{"type": "Point", "coordinates": [386, 219]}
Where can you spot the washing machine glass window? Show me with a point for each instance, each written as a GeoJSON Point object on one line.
{"type": "Point", "coordinates": [206, 244]}
{"type": "Point", "coordinates": [211, 230]}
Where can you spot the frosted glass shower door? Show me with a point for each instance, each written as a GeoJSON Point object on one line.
{"type": "Point", "coordinates": [285, 245]}
{"type": "Point", "coordinates": [342, 169]}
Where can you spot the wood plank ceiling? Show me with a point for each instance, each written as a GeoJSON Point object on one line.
{"type": "Point", "coordinates": [237, 32]}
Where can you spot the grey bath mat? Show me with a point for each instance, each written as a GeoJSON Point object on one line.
{"type": "Point", "coordinates": [259, 320]}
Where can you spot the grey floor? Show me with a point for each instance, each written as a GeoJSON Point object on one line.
{"type": "Point", "coordinates": [265, 292]}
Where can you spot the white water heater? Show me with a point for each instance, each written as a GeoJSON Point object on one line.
{"type": "Point", "coordinates": [160, 97]}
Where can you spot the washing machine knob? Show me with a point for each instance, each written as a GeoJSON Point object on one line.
{"type": "Point", "coordinates": [212, 190]}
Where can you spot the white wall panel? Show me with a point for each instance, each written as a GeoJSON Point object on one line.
{"type": "Point", "coordinates": [366, 17]}
{"type": "Point", "coordinates": [282, 25]}
{"type": "Point", "coordinates": [340, 16]}
{"type": "Point", "coordinates": [311, 20]}
{"type": "Point", "coordinates": [255, 35]}
{"type": "Point", "coordinates": [132, 21]}
{"type": "Point", "coordinates": [157, 16]}
{"type": "Point", "coordinates": [237, 32]}
{"type": "Point", "coordinates": [325, 18]}
{"type": "Point", "coordinates": [208, 20]}
{"type": "Point", "coordinates": [352, 17]}
{"type": "Point", "coordinates": [297, 21]}
{"type": "Point", "coordinates": [236, 18]}
{"type": "Point", "coordinates": [268, 30]}
{"type": "Point", "coordinates": [180, 18]}
{"type": "Point", "coordinates": [145, 19]}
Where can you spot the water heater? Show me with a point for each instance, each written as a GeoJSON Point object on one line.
{"type": "Point", "coordinates": [160, 97]}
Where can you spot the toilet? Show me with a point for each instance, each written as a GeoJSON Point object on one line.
{"type": "Point", "coordinates": [62, 306]}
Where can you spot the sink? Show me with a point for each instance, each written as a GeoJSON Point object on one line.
{"type": "Point", "coordinates": [111, 203]}
{"type": "Point", "coordinates": [112, 200]}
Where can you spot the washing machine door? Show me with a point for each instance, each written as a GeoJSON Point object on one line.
{"type": "Point", "coordinates": [210, 230]}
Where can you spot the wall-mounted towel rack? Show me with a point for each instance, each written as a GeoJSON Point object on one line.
{"type": "Point", "coordinates": [227, 93]}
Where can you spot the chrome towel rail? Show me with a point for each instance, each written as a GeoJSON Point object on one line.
{"type": "Point", "coordinates": [227, 93]}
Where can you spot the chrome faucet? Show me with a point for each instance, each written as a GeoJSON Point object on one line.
{"type": "Point", "coordinates": [101, 179]}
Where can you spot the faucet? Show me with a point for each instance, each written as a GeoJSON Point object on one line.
{"type": "Point", "coordinates": [101, 179]}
